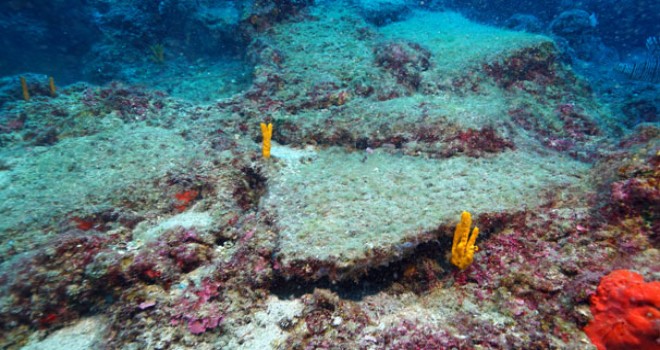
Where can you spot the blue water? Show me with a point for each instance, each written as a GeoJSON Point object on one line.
{"type": "Point", "coordinates": [100, 41]}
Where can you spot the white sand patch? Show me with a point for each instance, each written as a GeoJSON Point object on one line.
{"type": "Point", "coordinates": [86, 334]}
{"type": "Point", "coordinates": [148, 231]}
{"type": "Point", "coordinates": [265, 332]}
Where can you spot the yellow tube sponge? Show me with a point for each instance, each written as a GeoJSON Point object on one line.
{"type": "Point", "coordinates": [463, 248]}
{"type": "Point", "coordinates": [24, 89]}
{"type": "Point", "coordinates": [267, 133]}
{"type": "Point", "coordinates": [51, 86]}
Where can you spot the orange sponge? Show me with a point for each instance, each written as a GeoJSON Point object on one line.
{"type": "Point", "coordinates": [626, 313]}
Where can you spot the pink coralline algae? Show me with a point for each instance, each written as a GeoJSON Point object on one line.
{"type": "Point", "coordinates": [198, 308]}
{"type": "Point", "coordinates": [405, 60]}
{"type": "Point", "coordinates": [637, 194]}
{"type": "Point", "coordinates": [146, 304]}
{"type": "Point", "coordinates": [412, 335]}
{"type": "Point", "coordinates": [201, 325]}
{"type": "Point", "coordinates": [477, 143]}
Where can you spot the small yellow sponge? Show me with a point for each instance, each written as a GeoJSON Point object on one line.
{"type": "Point", "coordinates": [267, 133]}
{"type": "Point", "coordinates": [463, 248]}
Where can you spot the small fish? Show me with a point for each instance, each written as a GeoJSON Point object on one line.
{"type": "Point", "coordinates": [646, 71]}
{"type": "Point", "coordinates": [593, 19]}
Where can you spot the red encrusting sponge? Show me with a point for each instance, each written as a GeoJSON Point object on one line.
{"type": "Point", "coordinates": [626, 313]}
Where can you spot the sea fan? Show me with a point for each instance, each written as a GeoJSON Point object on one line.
{"type": "Point", "coordinates": [648, 70]}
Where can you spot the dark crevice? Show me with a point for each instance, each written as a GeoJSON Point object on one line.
{"type": "Point", "coordinates": [418, 272]}
{"type": "Point", "coordinates": [250, 188]}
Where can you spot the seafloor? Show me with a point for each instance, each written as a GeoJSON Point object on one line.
{"type": "Point", "coordinates": [133, 218]}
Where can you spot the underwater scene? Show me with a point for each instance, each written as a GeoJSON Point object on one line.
{"type": "Point", "coordinates": [315, 174]}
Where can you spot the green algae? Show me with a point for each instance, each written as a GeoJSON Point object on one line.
{"type": "Point", "coordinates": [341, 205]}
{"type": "Point", "coordinates": [85, 174]}
{"type": "Point", "coordinates": [458, 44]}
